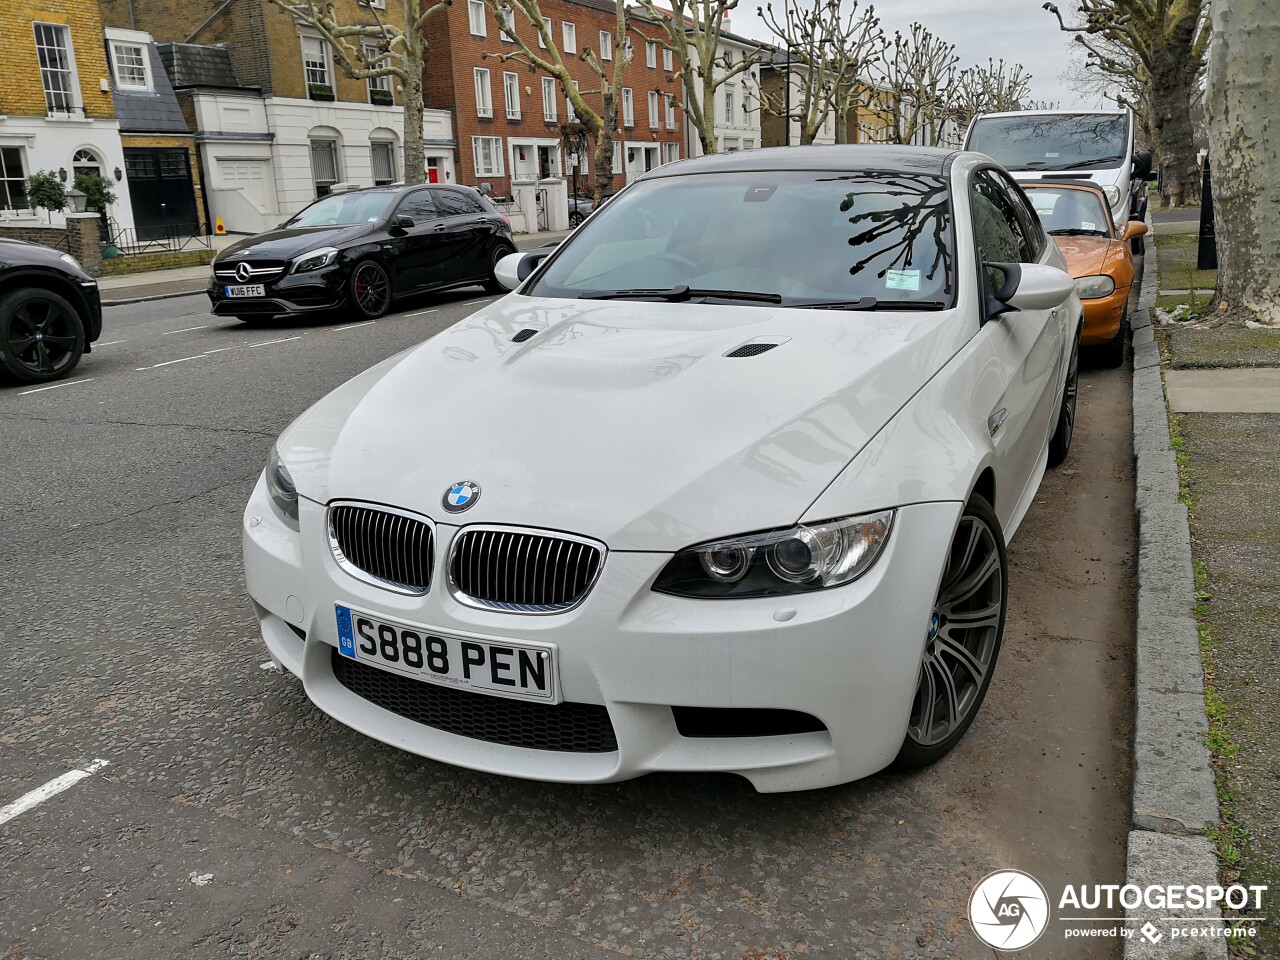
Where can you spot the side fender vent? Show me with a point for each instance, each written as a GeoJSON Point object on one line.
{"type": "Point", "coordinates": [751, 349]}
{"type": "Point", "coordinates": [523, 335]}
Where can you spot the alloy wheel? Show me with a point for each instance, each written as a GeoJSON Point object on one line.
{"type": "Point", "coordinates": [1070, 391]}
{"type": "Point", "coordinates": [43, 337]}
{"type": "Point", "coordinates": [371, 288]}
{"type": "Point", "coordinates": [963, 635]}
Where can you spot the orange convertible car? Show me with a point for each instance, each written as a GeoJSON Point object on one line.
{"type": "Point", "coordinates": [1076, 215]}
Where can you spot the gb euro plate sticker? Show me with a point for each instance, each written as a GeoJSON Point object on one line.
{"type": "Point", "coordinates": [902, 279]}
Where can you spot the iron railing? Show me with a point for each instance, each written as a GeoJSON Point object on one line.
{"type": "Point", "coordinates": [165, 239]}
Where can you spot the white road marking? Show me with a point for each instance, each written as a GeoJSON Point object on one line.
{"type": "Point", "coordinates": [203, 326]}
{"type": "Point", "coordinates": [55, 386]}
{"type": "Point", "coordinates": [110, 343]}
{"type": "Point", "coordinates": [51, 789]}
{"type": "Point", "coordinates": [169, 362]}
{"type": "Point", "coordinates": [418, 313]}
{"type": "Point", "coordinates": [265, 343]}
{"type": "Point", "coordinates": [352, 326]}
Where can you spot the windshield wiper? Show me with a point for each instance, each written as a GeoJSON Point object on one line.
{"type": "Point", "coordinates": [870, 303]}
{"type": "Point", "coordinates": [1077, 232]}
{"type": "Point", "coordinates": [680, 293]}
{"type": "Point", "coordinates": [1087, 163]}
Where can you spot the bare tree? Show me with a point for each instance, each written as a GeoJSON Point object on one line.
{"type": "Point", "coordinates": [1168, 39]}
{"type": "Point", "coordinates": [807, 36]}
{"type": "Point", "coordinates": [995, 88]}
{"type": "Point", "coordinates": [398, 52]}
{"type": "Point", "coordinates": [598, 124]}
{"type": "Point", "coordinates": [858, 42]}
{"type": "Point", "coordinates": [693, 29]}
{"type": "Point", "coordinates": [917, 71]}
{"type": "Point", "coordinates": [1245, 165]}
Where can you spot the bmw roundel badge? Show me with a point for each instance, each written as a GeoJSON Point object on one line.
{"type": "Point", "coordinates": [461, 496]}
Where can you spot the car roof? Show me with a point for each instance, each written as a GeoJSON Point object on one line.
{"type": "Point", "coordinates": [854, 156]}
{"type": "Point", "coordinates": [1053, 113]}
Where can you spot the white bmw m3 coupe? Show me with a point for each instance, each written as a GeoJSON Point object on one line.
{"type": "Point", "coordinates": [723, 484]}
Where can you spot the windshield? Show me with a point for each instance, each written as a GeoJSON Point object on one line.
{"type": "Point", "coordinates": [1066, 211]}
{"type": "Point", "coordinates": [345, 209]}
{"type": "Point", "coordinates": [1076, 141]}
{"type": "Point", "coordinates": [800, 238]}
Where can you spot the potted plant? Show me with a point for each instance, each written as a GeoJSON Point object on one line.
{"type": "Point", "coordinates": [382, 98]}
{"type": "Point", "coordinates": [320, 91]}
{"type": "Point", "coordinates": [99, 194]}
{"type": "Point", "coordinates": [45, 191]}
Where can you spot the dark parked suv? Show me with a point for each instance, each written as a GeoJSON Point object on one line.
{"type": "Point", "coordinates": [363, 248]}
{"type": "Point", "coordinates": [49, 312]}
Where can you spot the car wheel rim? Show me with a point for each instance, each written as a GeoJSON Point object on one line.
{"type": "Point", "coordinates": [1070, 391]}
{"type": "Point", "coordinates": [42, 337]}
{"type": "Point", "coordinates": [371, 288]}
{"type": "Point", "coordinates": [962, 634]}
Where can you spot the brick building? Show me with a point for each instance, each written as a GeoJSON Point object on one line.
{"type": "Point", "coordinates": [56, 107]}
{"type": "Point", "coordinates": [508, 120]}
{"type": "Point", "coordinates": [276, 121]}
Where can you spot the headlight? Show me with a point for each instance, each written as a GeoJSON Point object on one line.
{"type": "Point", "coordinates": [1091, 288]}
{"type": "Point", "coordinates": [315, 260]}
{"type": "Point", "coordinates": [284, 495]}
{"type": "Point", "coordinates": [71, 262]}
{"type": "Point", "coordinates": [1112, 194]}
{"type": "Point", "coordinates": [809, 557]}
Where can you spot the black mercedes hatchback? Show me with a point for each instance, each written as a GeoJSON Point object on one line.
{"type": "Point", "coordinates": [362, 249]}
{"type": "Point", "coordinates": [49, 312]}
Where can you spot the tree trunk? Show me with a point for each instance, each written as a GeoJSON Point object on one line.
{"type": "Point", "coordinates": [604, 148]}
{"type": "Point", "coordinates": [415, 160]}
{"type": "Point", "coordinates": [842, 127]}
{"type": "Point", "coordinates": [707, 115]}
{"type": "Point", "coordinates": [1173, 71]}
{"type": "Point", "coordinates": [1244, 144]}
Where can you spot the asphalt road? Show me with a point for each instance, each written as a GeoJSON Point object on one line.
{"type": "Point", "coordinates": [234, 820]}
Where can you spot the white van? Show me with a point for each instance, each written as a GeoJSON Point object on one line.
{"type": "Point", "coordinates": [1070, 145]}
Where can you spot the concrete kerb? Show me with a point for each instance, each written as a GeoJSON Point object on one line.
{"type": "Point", "coordinates": [1175, 801]}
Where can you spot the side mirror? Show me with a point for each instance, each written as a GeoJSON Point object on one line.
{"type": "Point", "coordinates": [515, 268]}
{"type": "Point", "coordinates": [1134, 229]}
{"type": "Point", "coordinates": [402, 222]}
{"type": "Point", "coordinates": [1142, 163]}
{"type": "Point", "coordinates": [1029, 286]}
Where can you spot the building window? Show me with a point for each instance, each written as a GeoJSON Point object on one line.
{"type": "Point", "coordinates": [542, 44]}
{"type": "Point", "coordinates": [671, 112]}
{"type": "Point", "coordinates": [748, 104]}
{"type": "Point", "coordinates": [654, 115]}
{"type": "Point", "coordinates": [511, 89]}
{"type": "Point", "coordinates": [628, 108]}
{"type": "Point", "coordinates": [650, 54]}
{"type": "Point", "coordinates": [628, 51]}
{"type": "Point", "coordinates": [606, 45]}
{"type": "Point", "coordinates": [671, 152]}
{"type": "Point", "coordinates": [667, 60]}
{"type": "Point", "coordinates": [729, 118]}
{"type": "Point", "coordinates": [569, 112]}
{"type": "Point", "coordinates": [731, 145]}
{"type": "Point", "coordinates": [57, 73]}
{"type": "Point", "coordinates": [383, 155]}
{"type": "Point", "coordinates": [748, 144]}
{"type": "Point", "coordinates": [569, 33]}
{"type": "Point", "coordinates": [475, 17]}
{"type": "Point", "coordinates": [13, 180]}
{"type": "Point", "coordinates": [484, 93]}
{"type": "Point", "coordinates": [617, 157]}
{"type": "Point", "coordinates": [548, 100]}
{"type": "Point", "coordinates": [507, 24]}
{"type": "Point", "coordinates": [324, 165]}
{"type": "Point", "coordinates": [488, 154]}
{"type": "Point", "coordinates": [315, 62]}
{"type": "Point", "coordinates": [129, 61]}
{"type": "Point", "coordinates": [379, 87]}
{"type": "Point", "coordinates": [85, 161]}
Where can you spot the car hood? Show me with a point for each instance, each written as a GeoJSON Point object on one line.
{"type": "Point", "coordinates": [623, 421]}
{"type": "Point", "coordinates": [288, 243]}
{"type": "Point", "coordinates": [1085, 256]}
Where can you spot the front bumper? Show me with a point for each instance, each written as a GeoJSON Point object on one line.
{"type": "Point", "coordinates": [849, 656]}
{"type": "Point", "coordinates": [288, 294]}
{"type": "Point", "coordinates": [1103, 316]}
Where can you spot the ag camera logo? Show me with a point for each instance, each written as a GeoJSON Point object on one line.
{"type": "Point", "coordinates": [1009, 910]}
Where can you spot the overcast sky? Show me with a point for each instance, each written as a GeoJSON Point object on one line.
{"type": "Point", "coordinates": [1017, 30]}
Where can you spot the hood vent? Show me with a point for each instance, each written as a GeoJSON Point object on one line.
{"type": "Point", "coordinates": [523, 335]}
{"type": "Point", "coordinates": [753, 348]}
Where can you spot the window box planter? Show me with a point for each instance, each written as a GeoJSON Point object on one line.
{"type": "Point", "coordinates": [320, 91]}
{"type": "Point", "coordinates": [382, 98]}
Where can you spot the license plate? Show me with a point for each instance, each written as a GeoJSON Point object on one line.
{"type": "Point", "coordinates": [512, 669]}
{"type": "Point", "coordinates": [247, 290]}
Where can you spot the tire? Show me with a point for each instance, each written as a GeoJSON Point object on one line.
{"type": "Point", "coordinates": [41, 336]}
{"type": "Point", "coordinates": [369, 289]}
{"type": "Point", "coordinates": [974, 592]}
{"type": "Point", "coordinates": [1111, 353]}
{"type": "Point", "coordinates": [1138, 246]}
{"type": "Point", "coordinates": [491, 282]}
{"type": "Point", "coordinates": [1065, 426]}
{"type": "Point", "coordinates": [575, 218]}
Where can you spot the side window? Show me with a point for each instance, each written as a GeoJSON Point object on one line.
{"type": "Point", "coordinates": [418, 205]}
{"type": "Point", "coordinates": [1028, 219]}
{"type": "Point", "coordinates": [995, 226]}
{"type": "Point", "coordinates": [455, 203]}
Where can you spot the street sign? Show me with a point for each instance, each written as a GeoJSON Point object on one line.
{"type": "Point", "coordinates": [1207, 248]}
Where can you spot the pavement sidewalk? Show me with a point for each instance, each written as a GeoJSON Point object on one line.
{"type": "Point", "coordinates": [185, 281]}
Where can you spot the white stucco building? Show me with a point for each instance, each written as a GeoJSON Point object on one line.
{"type": "Point", "coordinates": [737, 100]}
